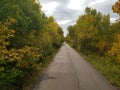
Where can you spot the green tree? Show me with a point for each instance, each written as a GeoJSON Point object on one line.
{"type": "Point", "coordinates": [26, 40]}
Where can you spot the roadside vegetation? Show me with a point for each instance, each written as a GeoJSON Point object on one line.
{"type": "Point", "coordinates": [107, 66]}
{"type": "Point", "coordinates": [99, 40]}
{"type": "Point", "coordinates": [28, 38]}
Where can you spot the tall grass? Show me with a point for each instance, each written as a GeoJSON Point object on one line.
{"type": "Point", "coordinates": [107, 66]}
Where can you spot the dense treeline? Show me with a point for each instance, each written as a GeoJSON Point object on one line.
{"type": "Point", "coordinates": [27, 37]}
{"type": "Point", "coordinates": [99, 41]}
{"type": "Point", "coordinates": [93, 33]}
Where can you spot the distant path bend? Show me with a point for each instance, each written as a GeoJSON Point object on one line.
{"type": "Point", "coordinates": [69, 71]}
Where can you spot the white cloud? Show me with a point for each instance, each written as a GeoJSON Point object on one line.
{"type": "Point", "coordinates": [66, 12]}
{"type": "Point", "coordinates": [63, 22]}
{"type": "Point", "coordinates": [75, 4]}
{"type": "Point", "coordinates": [96, 2]}
{"type": "Point", "coordinates": [113, 19]}
{"type": "Point", "coordinates": [49, 8]}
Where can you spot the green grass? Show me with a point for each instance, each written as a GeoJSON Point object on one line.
{"type": "Point", "coordinates": [107, 66]}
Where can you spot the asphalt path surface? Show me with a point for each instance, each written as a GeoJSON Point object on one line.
{"type": "Point", "coordinates": [69, 71]}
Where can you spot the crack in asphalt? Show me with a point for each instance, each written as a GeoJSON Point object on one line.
{"type": "Point", "coordinates": [77, 79]}
{"type": "Point", "coordinates": [75, 73]}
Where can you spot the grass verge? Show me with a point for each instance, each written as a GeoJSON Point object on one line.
{"type": "Point", "coordinates": [107, 66]}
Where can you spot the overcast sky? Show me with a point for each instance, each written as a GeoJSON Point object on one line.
{"type": "Point", "coordinates": [66, 12]}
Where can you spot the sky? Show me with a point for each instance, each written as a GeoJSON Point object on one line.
{"type": "Point", "coordinates": [66, 12]}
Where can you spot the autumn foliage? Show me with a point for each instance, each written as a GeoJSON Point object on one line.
{"type": "Point", "coordinates": [27, 37]}
{"type": "Point", "coordinates": [116, 7]}
{"type": "Point", "coordinates": [98, 40]}
{"type": "Point", "coordinates": [93, 33]}
{"type": "Point", "coordinates": [115, 49]}
{"type": "Point", "coordinates": [13, 62]}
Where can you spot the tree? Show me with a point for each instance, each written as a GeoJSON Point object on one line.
{"type": "Point", "coordinates": [28, 17]}
{"type": "Point", "coordinates": [115, 49]}
{"type": "Point", "coordinates": [116, 8]}
{"type": "Point", "coordinates": [90, 33]}
{"type": "Point", "coordinates": [27, 38]}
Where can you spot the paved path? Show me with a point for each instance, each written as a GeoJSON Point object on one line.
{"type": "Point", "coordinates": [69, 71]}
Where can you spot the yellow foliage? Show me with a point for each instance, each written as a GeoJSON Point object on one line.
{"type": "Point", "coordinates": [102, 45]}
{"type": "Point", "coordinates": [24, 57]}
{"type": "Point", "coordinates": [5, 33]}
{"type": "Point", "coordinates": [116, 7]}
{"type": "Point", "coordinates": [32, 51]}
{"type": "Point", "coordinates": [115, 50]}
{"type": "Point", "coordinates": [2, 69]}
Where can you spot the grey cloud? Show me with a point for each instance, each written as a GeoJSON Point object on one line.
{"type": "Point", "coordinates": [114, 15]}
{"type": "Point", "coordinates": [86, 2]}
{"type": "Point", "coordinates": [59, 1]}
{"type": "Point", "coordinates": [64, 13]}
{"type": "Point", "coordinates": [106, 8]}
{"type": "Point", "coordinates": [103, 7]}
